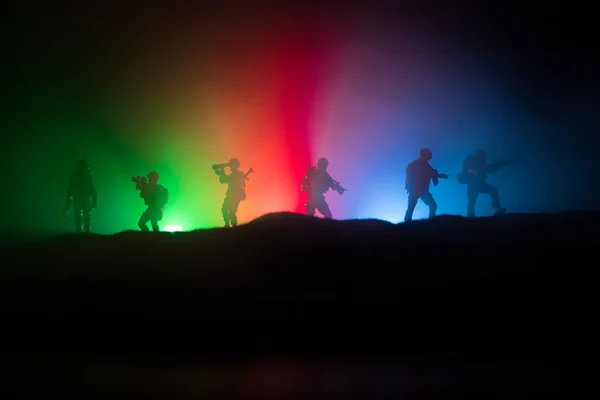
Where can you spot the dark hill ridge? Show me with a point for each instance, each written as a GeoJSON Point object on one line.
{"type": "Point", "coordinates": [492, 291]}
{"type": "Point", "coordinates": [289, 259]}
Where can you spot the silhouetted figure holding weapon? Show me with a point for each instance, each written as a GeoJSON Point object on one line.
{"type": "Point", "coordinates": [419, 175]}
{"type": "Point", "coordinates": [316, 183]}
{"type": "Point", "coordinates": [474, 175]}
{"type": "Point", "coordinates": [155, 196]}
{"type": "Point", "coordinates": [236, 189]}
{"type": "Point", "coordinates": [82, 196]}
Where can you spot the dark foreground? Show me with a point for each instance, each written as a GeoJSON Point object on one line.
{"type": "Point", "coordinates": [289, 305]}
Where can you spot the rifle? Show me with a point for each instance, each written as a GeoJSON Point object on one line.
{"type": "Point", "coordinates": [497, 165]}
{"type": "Point", "coordinates": [251, 170]}
{"type": "Point", "coordinates": [502, 162]}
{"type": "Point", "coordinates": [140, 182]}
{"type": "Point", "coordinates": [217, 167]}
{"type": "Point", "coordinates": [439, 176]}
{"type": "Point", "coordinates": [466, 177]}
{"type": "Point", "coordinates": [339, 187]}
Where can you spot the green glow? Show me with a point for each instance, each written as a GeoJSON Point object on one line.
{"type": "Point", "coordinates": [172, 228]}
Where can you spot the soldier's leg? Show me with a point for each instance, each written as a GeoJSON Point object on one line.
{"type": "Point", "coordinates": [323, 208]}
{"type": "Point", "coordinates": [225, 211]}
{"type": "Point", "coordinates": [310, 207]}
{"type": "Point", "coordinates": [87, 219]}
{"type": "Point", "coordinates": [233, 209]}
{"type": "Point", "coordinates": [431, 203]}
{"type": "Point", "coordinates": [78, 218]}
{"type": "Point", "coordinates": [143, 222]}
{"type": "Point", "coordinates": [410, 208]}
{"type": "Point", "coordinates": [472, 195]}
{"type": "Point", "coordinates": [155, 218]}
{"type": "Point", "coordinates": [493, 192]}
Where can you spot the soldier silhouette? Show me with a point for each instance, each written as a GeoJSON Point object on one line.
{"type": "Point", "coordinates": [236, 189]}
{"type": "Point", "coordinates": [474, 175]}
{"type": "Point", "coordinates": [155, 196]}
{"type": "Point", "coordinates": [82, 196]}
{"type": "Point", "coordinates": [419, 175]}
{"type": "Point", "coordinates": [316, 183]}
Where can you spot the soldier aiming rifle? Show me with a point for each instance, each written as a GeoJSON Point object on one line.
{"type": "Point", "coordinates": [155, 196]}
{"type": "Point", "coordinates": [316, 183]}
{"type": "Point", "coordinates": [474, 174]}
{"type": "Point", "coordinates": [419, 175]}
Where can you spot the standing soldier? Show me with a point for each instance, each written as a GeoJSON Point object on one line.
{"type": "Point", "coordinates": [82, 196]}
{"type": "Point", "coordinates": [236, 189]}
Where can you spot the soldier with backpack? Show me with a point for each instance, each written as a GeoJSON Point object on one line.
{"type": "Point", "coordinates": [316, 183]}
{"type": "Point", "coordinates": [419, 175]}
{"type": "Point", "coordinates": [236, 189]}
{"type": "Point", "coordinates": [155, 197]}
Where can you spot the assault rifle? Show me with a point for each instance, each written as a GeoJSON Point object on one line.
{"type": "Point", "coordinates": [140, 182]}
{"type": "Point", "coordinates": [466, 177]}
{"type": "Point", "coordinates": [218, 167]}
{"type": "Point", "coordinates": [251, 170]}
{"type": "Point", "coordinates": [339, 188]}
{"type": "Point", "coordinates": [496, 165]}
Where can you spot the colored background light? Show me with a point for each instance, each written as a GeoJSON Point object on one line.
{"type": "Point", "coordinates": [278, 95]}
{"type": "Point", "coordinates": [172, 228]}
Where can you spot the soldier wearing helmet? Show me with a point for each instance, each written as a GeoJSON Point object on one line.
{"type": "Point", "coordinates": [316, 183]}
{"type": "Point", "coordinates": [474, 175]}
{"type": "Point", "coordinates": [155, 197]}
{"type": "Point", "coordinates": [419, 175]}
{"type": "Point", "coordinates": [82, 196]}
{"type": "Point", "coordinates": [236, 189]}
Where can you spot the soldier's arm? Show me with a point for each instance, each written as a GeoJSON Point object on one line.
{"type": "Point", "coordinates": [144, 192]}
{"type": "Point", "coordinates": [408, 184]}
{"type": "Point", "coordinates": [332, 183]}
{"type": "Point", "coordinates": [94, 193]}
{"type": "Point", "coordinates": [466, 165]}
{"type": "Point", "coordinates": [223, 177]}
{"type": "Point", "coordinates": [69, 193]}
{"type": "Point", "coordinates": [495, 166]}
{"type": "Point", "coordinates": [70, 189]}
{"type": "Point", "coordinates": [434, 175]}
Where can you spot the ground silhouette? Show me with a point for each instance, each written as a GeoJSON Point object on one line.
{"type": "Point", "coordinates": [291, 304]}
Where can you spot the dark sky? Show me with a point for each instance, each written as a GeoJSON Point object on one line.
{"type": "Point", "coordinates": [58, 54]}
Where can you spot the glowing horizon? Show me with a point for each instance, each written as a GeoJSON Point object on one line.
{"type": "Point", "coordinates": [277, 104]}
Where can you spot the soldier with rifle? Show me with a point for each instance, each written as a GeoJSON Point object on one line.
{"type": "Point", "coordinates": [82, 196]}
{"type": "Point", "coordinates": [236, 189]}
{"type": "Point", "coordinates": [155, 196]}
{"type": "Point", "coordinates": [474, 174]}
{"type": "Point", "coordinates": [419, 175]}
{"type": "Point", "coordinates": [316, 183]}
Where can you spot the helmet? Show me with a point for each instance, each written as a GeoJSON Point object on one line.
{"type": "Point", "coordinates": [234, 163]}
{"type": "Point", "coordinates": [481, 153]}
{"type": "Point", "coordinates": [82, 165]}
{"type": "Point", "coordinates": [153, 176]}
{"type": "Point", "coordinates": [426, 154]}
{"type": "Point", "coordinates": [323, 163]}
